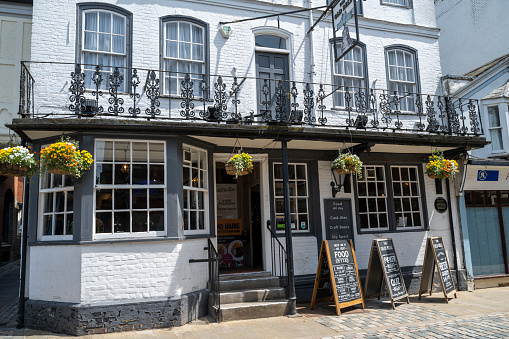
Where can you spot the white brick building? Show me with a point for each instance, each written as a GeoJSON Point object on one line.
{"type": "Point", "coordinates": [125, 237]}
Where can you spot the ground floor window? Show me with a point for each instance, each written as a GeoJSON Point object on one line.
{"type": "Point", "coordinates": [389, 198]}
{"type": "Point", "coordinates": [299, 196]}
{"type": "Point", "coordinates": [56, 199]}
{"type": "Point", "coordinates": [130, 188]}
{"type": "Point", "coordinates": [195, 187]}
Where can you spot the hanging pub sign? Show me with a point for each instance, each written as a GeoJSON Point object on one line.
{"type": "Point", "coordinates": [337, 276]}
{"type": "Point", "coordinates": [344, 15]}
{"type": "Point", "coordinates": [384, 268]}
{"type": "Point", "coordinates": [435, 256]}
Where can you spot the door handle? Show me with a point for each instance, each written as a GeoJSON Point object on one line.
{"type": "Point", "coordinates": [288, 95]}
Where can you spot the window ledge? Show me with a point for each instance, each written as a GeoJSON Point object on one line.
{"type": "Point", "coordinates": [395, 5]}
{"type": "Point", "coordinates": [382, 232]}
{"type": "Point", "coordinates": [102, 241]}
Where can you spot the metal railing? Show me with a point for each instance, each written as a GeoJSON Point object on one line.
{"type": "Point", "coordinates": [120, 92]}
{"type": "Point", "coordinates": [279, 259]}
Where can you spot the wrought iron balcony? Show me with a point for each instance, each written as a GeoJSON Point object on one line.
{"type": "Point", "coordinates": [67, 90]}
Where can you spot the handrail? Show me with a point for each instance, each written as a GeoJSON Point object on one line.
{"type": "Point", "coordinates": [214, 279]}
{"type": "Point", "coordinates": [279, 259]}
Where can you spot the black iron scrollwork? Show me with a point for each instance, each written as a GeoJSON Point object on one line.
{"type": "Point", "coordinates": [442, 115]}
{"type": "Point", "coordinates": [220, 98]}
{"type": "Point", "coordinates": [97, 79]}
{"type": "Point", "coordinates": [321, 95]}
{"type": "Point", "coordinates": [134, 82]}
{"type": "Point", "coordinates": [116, 80]}
{"type": "Point", "coordinates": [395, 101]}
{"type": "Point", "coordinates": [77, 89]}
{"type": "Point", "coordinates": [308, 104]}
{"type": "Point", "coordinates": [152, 91]}
{"type": "Point", "coordinates": [235, 92]}
{"type": "Point", "coordinates": [186, 93]}
{"type": "Point", "coordinates": [281, 114]}
{"type": "Point", "coordinates": [452, 116]}
{"type": "Point", "coordinates": [266, 114]}
{"type": "Point", "coordinates": [385, 109]}
{"type": "Point", "coordinates": [418, 104]}
{"type": "Point", "coordinates": [348, 107]}
{"type": "Point", "coordinates": [472, 114]}
{"type": "Point", "coordinates": [295, 118]}
{"type": "Point", "coordinates": [204, 88]}
{"type": "Point", "coordinates": [433, 124]}
{"type": "Point", "coordinates": [463, 129]}
{"type": "Point", "coordinates": [373, 108]}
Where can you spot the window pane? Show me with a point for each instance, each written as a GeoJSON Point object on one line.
{"type": "Point", "coordinates": [122, 174]}
{"type": "Point", "coordinates": [70, 200]}
{"type": "Point", "coordinates": [48, 203]}
{"type": "Point", "coordinates": [103, 222]}
{"type": "Point", "coordinates": [197, 34]}
{"type": "Point", "coordinates": [104, 174]}
{"type": "Point", "coordinates": [118, 44]}
{"type": "Point", "coordinates": [118, 24]}
{"type": "Point", "coordinates": [139, 197]}
{"type": "Point", "coordinates": [69, 223]}
{"type": "Point", "coordinates": [59, 224]}
{"type": "Point", "coordinates": [121, 197]}
{"type": "Point", "coordinates": [90, 43]}
{"type": "Point", "coordinates": [91, 21]}
{"type": "Point", "coordinates": [156, 198]}
{"type": "Point", "coordinates": [172, 51]}
{"type": "Point", "coordinates": [122, 222]}
{"type": "Point", "coordinates": [156, 152]}
{"type": "Point", "coordinates": [140, 222]}
{"type": "Point", "coordinates": [185, 32]}
{"type": "Point", "coordinates": [493, 115]}
{"type": "Point", "coordinates": [104, 22]}
{"type": "Point", "coordinates": [157, 221]}
{"type": "Point", "coordinates": [157, 174]}
{"type": "Point", "coordinates": [140, 174]}
{"type": "Point", "coordinates": [103, 199]}
{"type": "Point", "coordinates": [105, 42]}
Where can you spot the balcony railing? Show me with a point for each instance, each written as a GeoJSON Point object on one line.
{"type": "Point", "coordinates": [67, 90]}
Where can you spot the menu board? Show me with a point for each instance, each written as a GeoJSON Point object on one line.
{"type": "Point", "coordinates": [384, 268]}
{"type": "Point", "coordinates": [337, 275]}
{"type": "Point", "coordinates": [338, 219]}
{"type": "Point", "coordinates": [443, 265]}
{"type": "Point", "coordinates": [435, 256]}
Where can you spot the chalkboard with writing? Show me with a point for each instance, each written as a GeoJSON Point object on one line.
{"type": "Point", "coordinates": [337, 275]}
{"type": "Point", "coordinates": [435, 256]}
{"type": "Point", "coordinates": [338, 219]}
{"type": "Point", "coordinates": [384, 268]}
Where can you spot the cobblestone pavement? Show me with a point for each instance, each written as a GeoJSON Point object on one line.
{"type": "Point", "coordinates": [480, 314]}
{"type": "Point", "coordinates": [489, 326]}
{"type": "Point", "coordinates": [9, 289]}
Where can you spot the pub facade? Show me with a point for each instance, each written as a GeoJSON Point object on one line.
{"type": "Point", "coordinates": [163, 93]}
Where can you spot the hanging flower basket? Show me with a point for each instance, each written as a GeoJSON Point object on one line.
{"type": "Point", "coordinates": [65, 158]}
{"type": "Point", "coordinates": [17, 161]}
{"type": "Point", "coordinates": [347, 163]}
{"type": "Point", "coordinates": [440, 168]}
{"type": "Point", "coordinates": [240, 164]}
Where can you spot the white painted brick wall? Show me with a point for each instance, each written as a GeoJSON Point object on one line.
{"type": "Point", "coordinates": [410, 246]}
{"type": "Point", "coordinates": [142, 271]}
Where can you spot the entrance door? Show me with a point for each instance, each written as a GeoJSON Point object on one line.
{"type": "Point", "coordinates": [273, 86]}
{"type": "Point", "coordinates": [239, 227]}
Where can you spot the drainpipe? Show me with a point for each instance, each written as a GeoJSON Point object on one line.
{"type": "Point", "coordinates": [451, 226]}
{"type": "Point", "coordinates": [24, 243]}
{"type": "Point", "coordinates": [288, 232]}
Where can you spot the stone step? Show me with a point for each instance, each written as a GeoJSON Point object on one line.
{"type": "Point", "coordinates": [254, 310]}
{"type": "Point", "coordinates": [260, 294]}
{"type": "Point", "coordinates": [248, 284]}
{"type": "Point", "coordinates": [246, 275]}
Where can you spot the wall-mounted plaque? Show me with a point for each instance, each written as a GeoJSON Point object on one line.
{"type": "Point", "coordinates": [440, 205]}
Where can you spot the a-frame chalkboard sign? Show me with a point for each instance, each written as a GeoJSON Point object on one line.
{"type": "Point", "coordinates": [337, 275]}
{"type": "Point", "coordinates": [384, 268]}
{"type": "Point", "coordinates": [435, 256]}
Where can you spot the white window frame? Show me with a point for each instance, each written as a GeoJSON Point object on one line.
{"type": "Point", "coordinates": [493, 129]}
{"type": "Point", "coordinates": [405, 96]}
{"type": "Point", "coordinates": [130, 187]}
{"type": "Point", "coordinates": [167, 75]}
{"type": "Point", "coordinates": [191, 189]}
{"type": "Point", "coordinates": [65, 212]}
{"type": "Point", "coordinates": [336, 76]}
{"type": "Point", "coordinates": [366, 178]}
{"type": "Point", "coordinates": [411, 196]}
{"type": "Point", "coordinates": [390, 199]}
{"type": "Point", "coordinates": [397, 3]}
{"type": "Point", "coordinates": [106, 70]}
{"type": "Point", "coordinates": [297, 228]}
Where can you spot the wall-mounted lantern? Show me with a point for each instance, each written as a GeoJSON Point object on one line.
{"type": "Point", "coordinates": [226, 31]}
